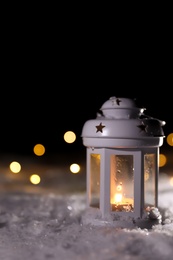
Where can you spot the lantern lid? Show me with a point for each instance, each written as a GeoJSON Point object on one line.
{"type": "Point", "coordinates": [122, 124]}
{"type": "Point", "coordinates": [121, 108]}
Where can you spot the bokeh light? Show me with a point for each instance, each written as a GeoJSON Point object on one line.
{"type": "Point", "coordinates": [74, 168]}
{"type": "Point", "coordinates": [69, 137]}
{"type": "Point", "coordinates": [35, 179]}
{"type": "Point", "coordinates": [39, 149]}
{"type": "Point", "coordinates": [169, 139]}
{"type": "Point", "coordinates": [15, 167]}
{"type": "Point", "coordinates": [162, 160]}
{"type": "Point", "coordinates": [171, 181]}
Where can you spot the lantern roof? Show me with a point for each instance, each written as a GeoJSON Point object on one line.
{"type": "Point", "coordinates": [120, 108]}
{"type": "Point", "coordinates": [120, 123]}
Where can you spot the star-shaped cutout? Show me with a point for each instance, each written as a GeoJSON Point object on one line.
{"type": "Point", "coordinates": [118, 101]}
{"type": "Point", "coordinates": [100, 127]}
{"type": "Point", "coordinates": [142, 127]}
{"type": "Point", "coordinates": [115, 101]}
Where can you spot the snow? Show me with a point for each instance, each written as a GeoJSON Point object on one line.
{"type": "Point", "coordinates": [48, 225]}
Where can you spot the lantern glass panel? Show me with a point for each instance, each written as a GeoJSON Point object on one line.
{"type": "Point", "coordinates": [149, 179]}
{"type": "Point", "coordinates": [122, 182]}
{"type": "Point", "coordinates": [95, 180]}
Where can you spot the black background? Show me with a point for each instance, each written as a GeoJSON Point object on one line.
{"type": "Point", "coordinates": [56, 74]}
{"type": "Point", "coordinates": [44, 115]}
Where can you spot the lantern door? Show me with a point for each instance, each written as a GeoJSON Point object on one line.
{"type": "Point", "coordinates": [114, 181]}
{"type": "Point", "coordinates": [125, 182]}
{"type": "Point", "coordinates": [151, 171]}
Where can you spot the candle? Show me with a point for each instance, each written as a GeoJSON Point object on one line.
{"type": "Point", "coordinates": [119, 202]}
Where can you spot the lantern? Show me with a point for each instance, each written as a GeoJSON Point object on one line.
{"type": "Point", "coordinates": [122, 167]}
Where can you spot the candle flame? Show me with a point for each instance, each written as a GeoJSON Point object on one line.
{"type": "Point", "coordinates": [118, 197]}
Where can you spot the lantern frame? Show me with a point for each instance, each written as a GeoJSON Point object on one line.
{"type": "Point", "coordinates": [138, 184]}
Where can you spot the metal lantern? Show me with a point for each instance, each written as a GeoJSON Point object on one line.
{"type": "Point", "coordinates": [122, 160]}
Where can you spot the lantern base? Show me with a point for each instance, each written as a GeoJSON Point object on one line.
{"type": "Point", "coordinates": [126, 207]}
{"type": "Point", "coordinates": [93, 217]}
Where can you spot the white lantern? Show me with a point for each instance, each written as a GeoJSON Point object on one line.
{"type": "Point", "coordinates": [122, 161]}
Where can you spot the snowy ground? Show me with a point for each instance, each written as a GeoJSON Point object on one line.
{"type": "Point", "coordinates": [47, 225]}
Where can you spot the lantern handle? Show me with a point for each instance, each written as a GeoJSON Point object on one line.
{"type": "Point", "coordinates": [142, 116]}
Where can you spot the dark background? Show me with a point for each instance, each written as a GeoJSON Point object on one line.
{"type": "Point", "coordinates": [43, 115]}
{"type": "Point", "coordinates": [56, 74]}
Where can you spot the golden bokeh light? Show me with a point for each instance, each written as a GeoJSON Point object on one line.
{"type": "Point", "coordinates": [69, 137]}
{"type": "Point", "coordinates": [15, 167]}
{"type": "Point", "coordinates": [169, 139]}
{"type": "Point", "coordinates": [35, 179]}
{"type": "Point", "coordinates": [39, 149]}
{"type": "Point", "coordinates": [162, 160]}
{"type": "Point", "coordinates": [74, 168]}
{"type": "Point", "coordinates": [171, 181]}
